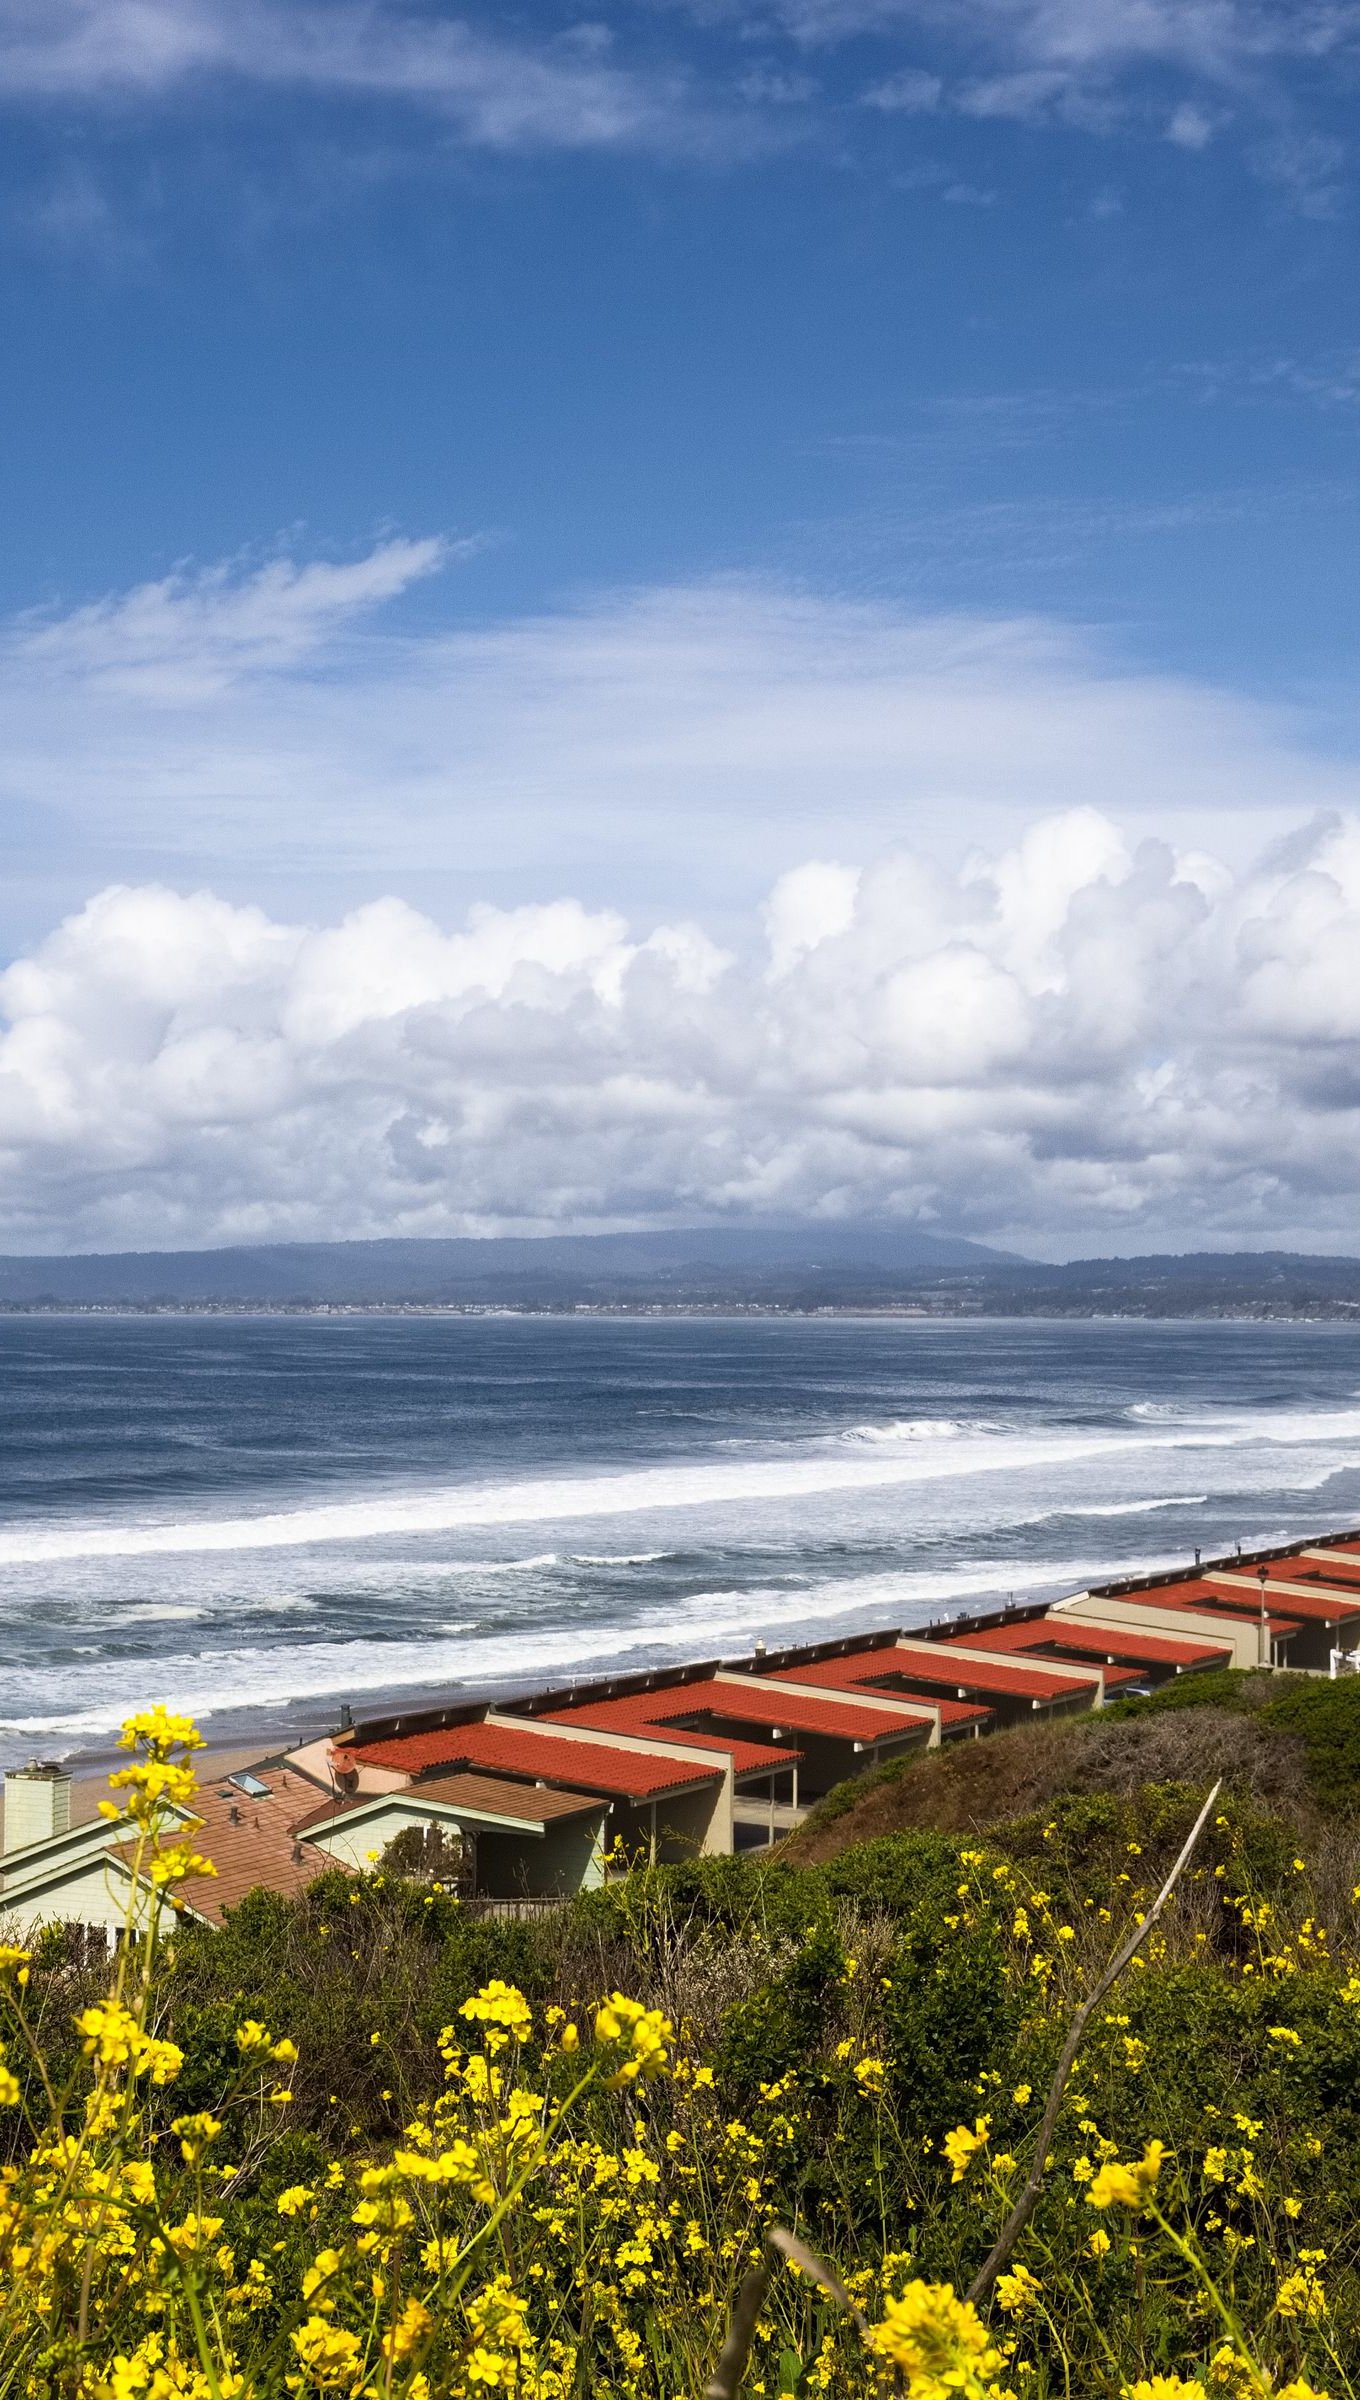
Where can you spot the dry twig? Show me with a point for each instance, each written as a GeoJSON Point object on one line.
{"type": "Point", "coordinates": [725, 2381]}
{"type": "Point", "coordinates": [1024, 2207]}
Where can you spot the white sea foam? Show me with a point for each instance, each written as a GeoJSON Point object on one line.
{"type": "Point", "coordinates": [618, 1558]}
{"type": "Point", "coordinates": [96, 1697]}
{"type": "Point", "coordinates": [1127, 1508]}
{"type": "Point", "coordinates": [916, 1429]}
{"type": "Point", "coordinates": [796, 1474]}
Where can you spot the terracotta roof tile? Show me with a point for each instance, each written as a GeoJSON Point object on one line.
{"type": "Point", "coordinates": [553, 1758]}
{"type": "Point", "coordinates": [1048, 1634]}
{"type": "Point", "coordinates": [647, 1713]}
{"type": "Point", "coordinates": [939, 1663]}
{"type": "Point", "coordinates": [492, 1795]}
{"type": "Point", "coordinates": [850, 1672]}
{"type": "Point", "coordinates": [801, 1712]}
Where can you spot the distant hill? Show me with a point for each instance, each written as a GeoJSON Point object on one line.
{"type": "Point", "coordinates": [852, 1265]}
{"type": "Point", "coordinates": [714, 1262]}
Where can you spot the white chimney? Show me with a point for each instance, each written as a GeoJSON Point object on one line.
{"type": "Point", "coordinates": [37, 1804]}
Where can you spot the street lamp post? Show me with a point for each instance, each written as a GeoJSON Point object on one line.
{"type": "Point", "coordinates": [1261, 1577]}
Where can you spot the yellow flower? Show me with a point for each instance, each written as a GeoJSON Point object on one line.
{"type": "Point", "coordinates": [292, 2202]}
{"type": "Point", "coordinates": [329, 2356]}
{"type": "Point", "coordinates": [1231, 2373]}
{"type": "Point", "coordinates": [1021, 2096]}
{"type": "Point", "coordinates": [1285, 2036]}
{"type": "Point", "coordinates": [647, 2034]}
{"type": "Point", "coordinates": [501, 2007]}
{"type": "Point", "coordinates": [196, 2133]}
{"type": "Point", "coordinates": [1301, 2295]}
{"type": "Point", "coordinates": [961, 2146]}
{"type": "Point", "coordinates": [1098, 2243]}
{"type": "Point", "coordinates": [410, 2330]}
{"type": "Point", "coordinates": [1118, 2186]}
{"type": "Point", "coordinates": [318, 2277]}
{"type": "Point", "coordinates": [938, 2342]}
{"type": "Point", "coordinates": [490, 2368]}
{"type": "Point", "coordinates": [160, 1731]}
{"type": "Point", "coordinates": [112, 2037]}
{"type": "Point", "coordinates": [1017, 2291]}
{"type": "Point", "coordinates": [1164, 2387]}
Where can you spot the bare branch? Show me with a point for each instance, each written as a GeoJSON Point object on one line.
{"type": "Point", "coordinates": [725, 2381]}
{"type": "Point", "coordinates": [816, 2270]}
{"type": "Point", "coordinates": [1024, 2207]}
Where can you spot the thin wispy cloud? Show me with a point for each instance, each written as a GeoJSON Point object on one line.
{"type": "Point", "coordinates": [1179, 70]}
{"type": "Point", "coordinates": [565, 92]}
{"type": "Point", "coordinates": [195, 631]}
{"type": "Point", "coordinates": [262, 722]}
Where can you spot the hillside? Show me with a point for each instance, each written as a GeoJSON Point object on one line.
{"type": "Point", "coordinates": [853, 1265]}
{"type": "Point", "coordinates": [798, 1264]}
{"type": "Point", "coordinates": [369, 2127]}
{"type": "Point", "coordinates": [1289, 1744]}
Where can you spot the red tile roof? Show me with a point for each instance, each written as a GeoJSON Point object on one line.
{"type": "Point", "coordinates": [940, 1663]}
{"type": "Point", "coordinates": [646, 1713]}
{"type": "Point", "coordinates": [1306, 1608]}
{"type": "Point", "coordinates": [849, 1674]}
{"type": "Point", "coordinates": [805, 1712]}
{"type": "Point", "coordinates": [1047, 1635]}
{"type": "Point", "coordinates": [491, 1795]}
{"type": "Point", "coordinates": [538, 1757]}
{"type": "Point", "coordinates": [1203, 1600]}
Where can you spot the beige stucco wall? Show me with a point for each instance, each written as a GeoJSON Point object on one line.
{"type": "Point", "coordinates": [1240, 1635]}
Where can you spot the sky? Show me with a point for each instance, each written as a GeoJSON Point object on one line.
{"type": "Point", "coordinates": [716, 610]}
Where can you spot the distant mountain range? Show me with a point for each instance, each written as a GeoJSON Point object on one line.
{"type": "Point", "coordinates": [794, 1267]}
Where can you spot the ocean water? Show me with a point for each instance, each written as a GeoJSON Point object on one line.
{"type": "Point", "coordinates": [259, 1519]}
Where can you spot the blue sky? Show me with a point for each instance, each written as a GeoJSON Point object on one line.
{"type": "Point", "coordinates": [1020, 304]}
{"type": "Point", "coordinates": [517, 461]}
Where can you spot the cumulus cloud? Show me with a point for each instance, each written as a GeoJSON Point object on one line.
{"type": "Point", "coordinates": [1080, 1039]}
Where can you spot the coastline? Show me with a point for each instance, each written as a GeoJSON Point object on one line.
{"type": "Point", "coordinates": [939, 1311]}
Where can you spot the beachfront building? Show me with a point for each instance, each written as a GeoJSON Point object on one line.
{"type": "Point", "coordinates": [536, 1799]}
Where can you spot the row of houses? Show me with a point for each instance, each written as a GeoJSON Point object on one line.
{"type": "Point", "coordinates": [539, 1797]}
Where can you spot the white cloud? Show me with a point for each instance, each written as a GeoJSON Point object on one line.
{"type": "Point", "coordinates": [1063, 60]}
{"type": "Point", "coordinates": [253, 729]}
{"type": "Point", "coordinates": [911, 92]}
{"type": "Point", "coordinates": [193, 633]}
{"type": "Point", "coordinates": [498, 92]}
{"type": "Point", "coordinates": [1106, 67]}
{"type": "Point", "coordinates": [1083, 1039]}
{"type": "Point", "coordinates": [1189, 128]}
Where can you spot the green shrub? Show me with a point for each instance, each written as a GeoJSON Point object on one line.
{"type": "Point", "coordinates": [1327, 1716]}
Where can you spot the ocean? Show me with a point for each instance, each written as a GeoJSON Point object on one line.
{"type": "Point", "coordinates": [261, 1519]}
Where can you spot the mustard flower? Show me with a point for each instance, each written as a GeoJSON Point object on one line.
{"type": "Point", "coordinates": [1131, 2186]}
{"type": "Point", "coordinates": [330, 2357]}
{"type": "Point", "coordinates": [962, 2146]}
{"type": "Point", "coordinates": [938, 2342]}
